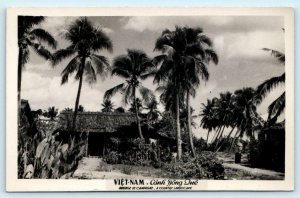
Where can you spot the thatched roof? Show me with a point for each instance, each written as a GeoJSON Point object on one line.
{"type": "Point", "coordinates": [97, 122]}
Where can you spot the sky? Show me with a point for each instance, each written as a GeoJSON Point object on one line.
{"type": "Point", "coordinates": [238, 41]}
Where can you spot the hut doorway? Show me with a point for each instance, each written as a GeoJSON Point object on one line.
{"type": "Point", "coordinates": [96, 144]}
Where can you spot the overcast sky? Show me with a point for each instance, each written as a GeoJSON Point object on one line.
{"type": "Point", "coordinates": [237, 40]}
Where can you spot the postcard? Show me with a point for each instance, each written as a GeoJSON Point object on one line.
{"type": "Point", "coordinates": [150, 99]}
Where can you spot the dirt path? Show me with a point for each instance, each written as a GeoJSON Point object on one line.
{"type": "Point", "coordinates": [228, 163]}
{"type": "Point", "coordinates": [95, 168]}
{"type": "Point", "coordinates": [255, 171]}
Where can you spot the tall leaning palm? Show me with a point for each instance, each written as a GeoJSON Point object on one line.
{"type": "Point", "coordinates": [134, 67]}
{"type": "Point", "coordinates": [31, 37]}
{"type": "Point", "coordinates": [198, 54]}
{"type": "Point", "coordinates": [86, 40]}
{"type": "Point", "coordinates": [184, 55]}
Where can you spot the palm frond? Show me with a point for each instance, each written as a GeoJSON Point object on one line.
{"type": "Point", "coordinates": [157, 60]}
{"type": "Point", "coordinates": [122, 66]}
{"type": "Point", "coordinates": [163, 42]}
{"type": "Point", "coordinates": [128, 94]}
{"type": "Point", "coordinates": [25, 23]}
{"type": "Point", "coordinates": [109, 93]}
{"type": "Point", "coordinates": [101, 63]}
{"type": "Point", "coordinates": [25, 56]}
{"type": "Point", "coordinates": [211, 55]}
{"type": "Point", "coordinates": [147, 94]}
{"type": "Point", "coordinates": [101, 41]}
{"type": "Point", "coordinates": [150, 73]}
{"type": "Point", "coordinates": [61, 54]}
{"type": "Point", "coordinates": [264, 88]}
{"type": "Point", "coordinates": [164, 71]}
{"type": "Point", "coordinates": [42, 51]}
{"type": "Point", "coordinates": [279, 55]}
{"type": "Point", "coordinates": [203, 39]}
{"type": "Point", "coordinates": [277, 106]}
{"type": "Point", "coordinates": [44, 36]}
{"type": "Point", "coordinates": [203, 70]}
{"type": "Point", "coordinates": [72, 66]}
{"type": "Point", "coordinates": [90, 72]}
{"type": "Point", "coordinates": [195, 50]}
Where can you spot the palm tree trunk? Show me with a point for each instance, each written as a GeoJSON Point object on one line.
{"type": "Point", "coordinates": [78, 94]}
{"type": "Point", "coordinates": [233, 141]}
{"type": "Point", "coordinates": [137, 115]}
{"type": "Point", "coordinates": [179, 146]}
{"type": "Point", "coordinates": [219, 137]}
{"type": "Point", "coordinates": [216, 134]}
{"type": "Point", "coordinates": [226, 138]}
{"type": "Point", "coordinates": [207, 137]}
{"type": "Point", "coordinates": [190, 124]}
{"type": "Point", "coordinates": [19, 83]}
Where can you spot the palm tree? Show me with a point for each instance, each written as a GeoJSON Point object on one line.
{"type": "Point", "coordinates": [85, 41]}
{"type": "Point", "coordinates": [136, 106]}
{"type": "Point", "coordinates": [67, 109]}
{"type": "Point", "coordinates": [276, 108]}
{"type": "Point", "coordinates": [208, 120]}
{"type": "Point", "coordinates": [108, 106]}
{"type": "Point", "coordinates": [51, 113]}
{"type": "Point", "coordinates": [244, 109]}
{"type": "Point", "coordinates": [183, 57]}
{"type": "Point", "coordinates": [133, 67]}
{"type": "Point", "coordinates": [198, 54]}
{"type": "Point", "coordinates": [34, 38]}
{"type": "Point", "coordinates": [153, 112]}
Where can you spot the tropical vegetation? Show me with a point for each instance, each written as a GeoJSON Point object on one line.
{"type": "Point", "coordinates": [181, 64]}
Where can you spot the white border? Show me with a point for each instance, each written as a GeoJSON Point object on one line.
{"type": "Point", "coordinates": [14, 184]}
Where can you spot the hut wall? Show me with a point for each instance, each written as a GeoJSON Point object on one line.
{"type": "Point", "coordinates": [269, 150]}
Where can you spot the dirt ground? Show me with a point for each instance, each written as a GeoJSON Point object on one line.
{"type": "Point", "coordinates": [244, 172]}
{"type": "Point", "coordinates": [95, 168]}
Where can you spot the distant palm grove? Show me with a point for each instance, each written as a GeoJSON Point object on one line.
{"type": "Point", "coordinates": [184, 55]}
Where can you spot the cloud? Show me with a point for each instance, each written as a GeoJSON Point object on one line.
{"type": "Point", "coordinates": [43, 92]}
{"type": "Point", "coordinates": [223, 24]}
{"type": "Point", "coordinates": [57, 26]}
{"type": "Point", "coordinates": [42, 67]}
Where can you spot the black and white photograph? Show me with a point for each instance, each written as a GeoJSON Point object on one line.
{"type": "Point", "coordinates": [150, 101]}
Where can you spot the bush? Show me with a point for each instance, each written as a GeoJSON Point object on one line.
{"type": "Point", "coordinates": [112, 158]}
{"type": "Point", "coordinates": [205, 165]}
{"type": "Point", "coordinates": [41, 156]}
{"type": "Point", "coordinates": [126, 169]}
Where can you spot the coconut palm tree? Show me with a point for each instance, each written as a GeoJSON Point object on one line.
{"type": "Point", "coordinates": [85, 41]}
{"type": "Point", "coordinates": [136, 106]}
{"type": "Point", "coordinates": [244, 109]}
{"type": "Point", "coordinates": [153, 112]}
{"type": "Point", "coordinates": [51, 113]}
{"type": "Point", "coordinates": [134, 67]}
{"type": "Point", "coordinates": [29, 36]}
{"type": "Point", "coordinates": [184, 55]}
{"type": "Point", "coordinates": [208, 114]}
{"type": "Point", "coordinates": [108, 106]}
{"type": "Point", "coordinates": [198, 54]}
{"type": "Point", "coordinates": [276, 108]}
{"type": "Point", "coordinates": [67, 109]}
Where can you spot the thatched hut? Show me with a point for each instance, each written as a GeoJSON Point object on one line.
{"type": "Point", "coordinates": [269, 150]}
{"type": "Point", "coordinates": [97, 127]}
